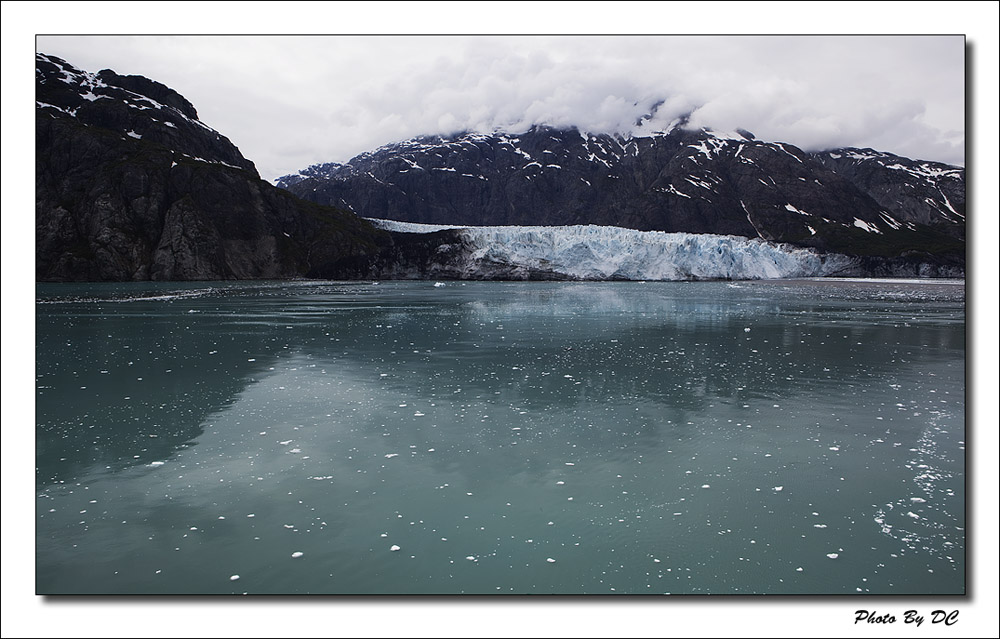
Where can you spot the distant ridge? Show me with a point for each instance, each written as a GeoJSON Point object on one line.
{"type": "Point", "coordinates": [854, 201]}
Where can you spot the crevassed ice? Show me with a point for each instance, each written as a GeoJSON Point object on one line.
{"type": "Point", "coordinates": [608, 252]}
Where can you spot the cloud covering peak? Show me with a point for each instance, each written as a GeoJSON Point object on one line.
{"type": "Point", "coordinates": [291, 101]}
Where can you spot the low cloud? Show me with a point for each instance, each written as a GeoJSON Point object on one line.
{"type": "Point", "coordinates": [288, 102]}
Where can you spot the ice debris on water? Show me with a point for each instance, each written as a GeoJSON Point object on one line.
{"type": "Point", "coordinates": [234, 577]}
{"type": "Point", "coordinates": [297, 554]}
{"type": "Point", "coordinates": [551, 560]}
{"type": "Point", "coordinates": [394, 548]}
{"type": "Point", "coordinates": [832, 555]}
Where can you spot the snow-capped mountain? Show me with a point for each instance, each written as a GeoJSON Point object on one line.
{"type": "Point", "coordinates": [137, 107]}
{"type": "Point", "coordinates": [918, 192]}
{"type": "Point", "coordinates": [131, 185]}
{"type": "Point", "coordinates": [678, 180]}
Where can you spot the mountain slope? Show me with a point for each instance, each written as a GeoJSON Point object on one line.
{"type": "Point", "coordinates": [677, 181]}
{"type": "Point", "coordinates": [921, 192]}
{"type": "Point", "coordinates": [130, 185]}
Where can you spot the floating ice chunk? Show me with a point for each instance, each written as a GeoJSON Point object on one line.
{"type": "Point", "coordinates": [551, 560]}
{"type": "Point", "coordinates": [746, 330]}
{"type": "Point", "coordinates": [471, 558]}
{"type": "Point", "coordinates": [438, 284]}
{"type": "Point", "coordinates": [832, 555]}
{"type": "Point", "coordinates": [393, 548]}
{"type": "Point", "coordinates": [234, 577]}
{"type": "Point", "coordinates": [778, 489]}
{"type": "Point", "coordinates": [297, 554]}
{"type": "Point", "coordinates": [705, 486]}
{"type": "Point", "coordinates": [391, 455]}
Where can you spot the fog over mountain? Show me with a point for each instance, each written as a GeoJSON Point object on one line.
{"type": "Point", "coordinates": [292, 101]}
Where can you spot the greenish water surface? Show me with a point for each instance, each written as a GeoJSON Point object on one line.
{"type": "Point", "coordinates": [778, 437]}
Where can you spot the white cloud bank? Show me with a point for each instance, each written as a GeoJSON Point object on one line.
{"type": "Point", "coordinates": [290, 101]}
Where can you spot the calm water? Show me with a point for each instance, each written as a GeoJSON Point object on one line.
{"type": "Point", "coordinates": [402, 437]}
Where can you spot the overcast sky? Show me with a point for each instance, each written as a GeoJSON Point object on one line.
{"type": "Point", "coordinates": [291, 101]}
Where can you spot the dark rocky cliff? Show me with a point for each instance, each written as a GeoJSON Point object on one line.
{"type": "Point", "coordinates": [130, 185]}
{"type": "Point", "coordinates": [680, 181]}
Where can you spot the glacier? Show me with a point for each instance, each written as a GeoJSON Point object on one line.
{"type": "Point", "coordinates": [590, 252]}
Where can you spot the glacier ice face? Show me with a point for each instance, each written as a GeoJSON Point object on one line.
{"type": "Point", "coordinates": [612, 253]}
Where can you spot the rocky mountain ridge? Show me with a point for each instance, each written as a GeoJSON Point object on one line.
{"type": "Point", "coordinates": [131, 185]}
{"type": "Point", "coordinates": [853, 201]}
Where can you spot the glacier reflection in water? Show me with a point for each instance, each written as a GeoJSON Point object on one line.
{"type": "Point", "coordinates": [685, 438]}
